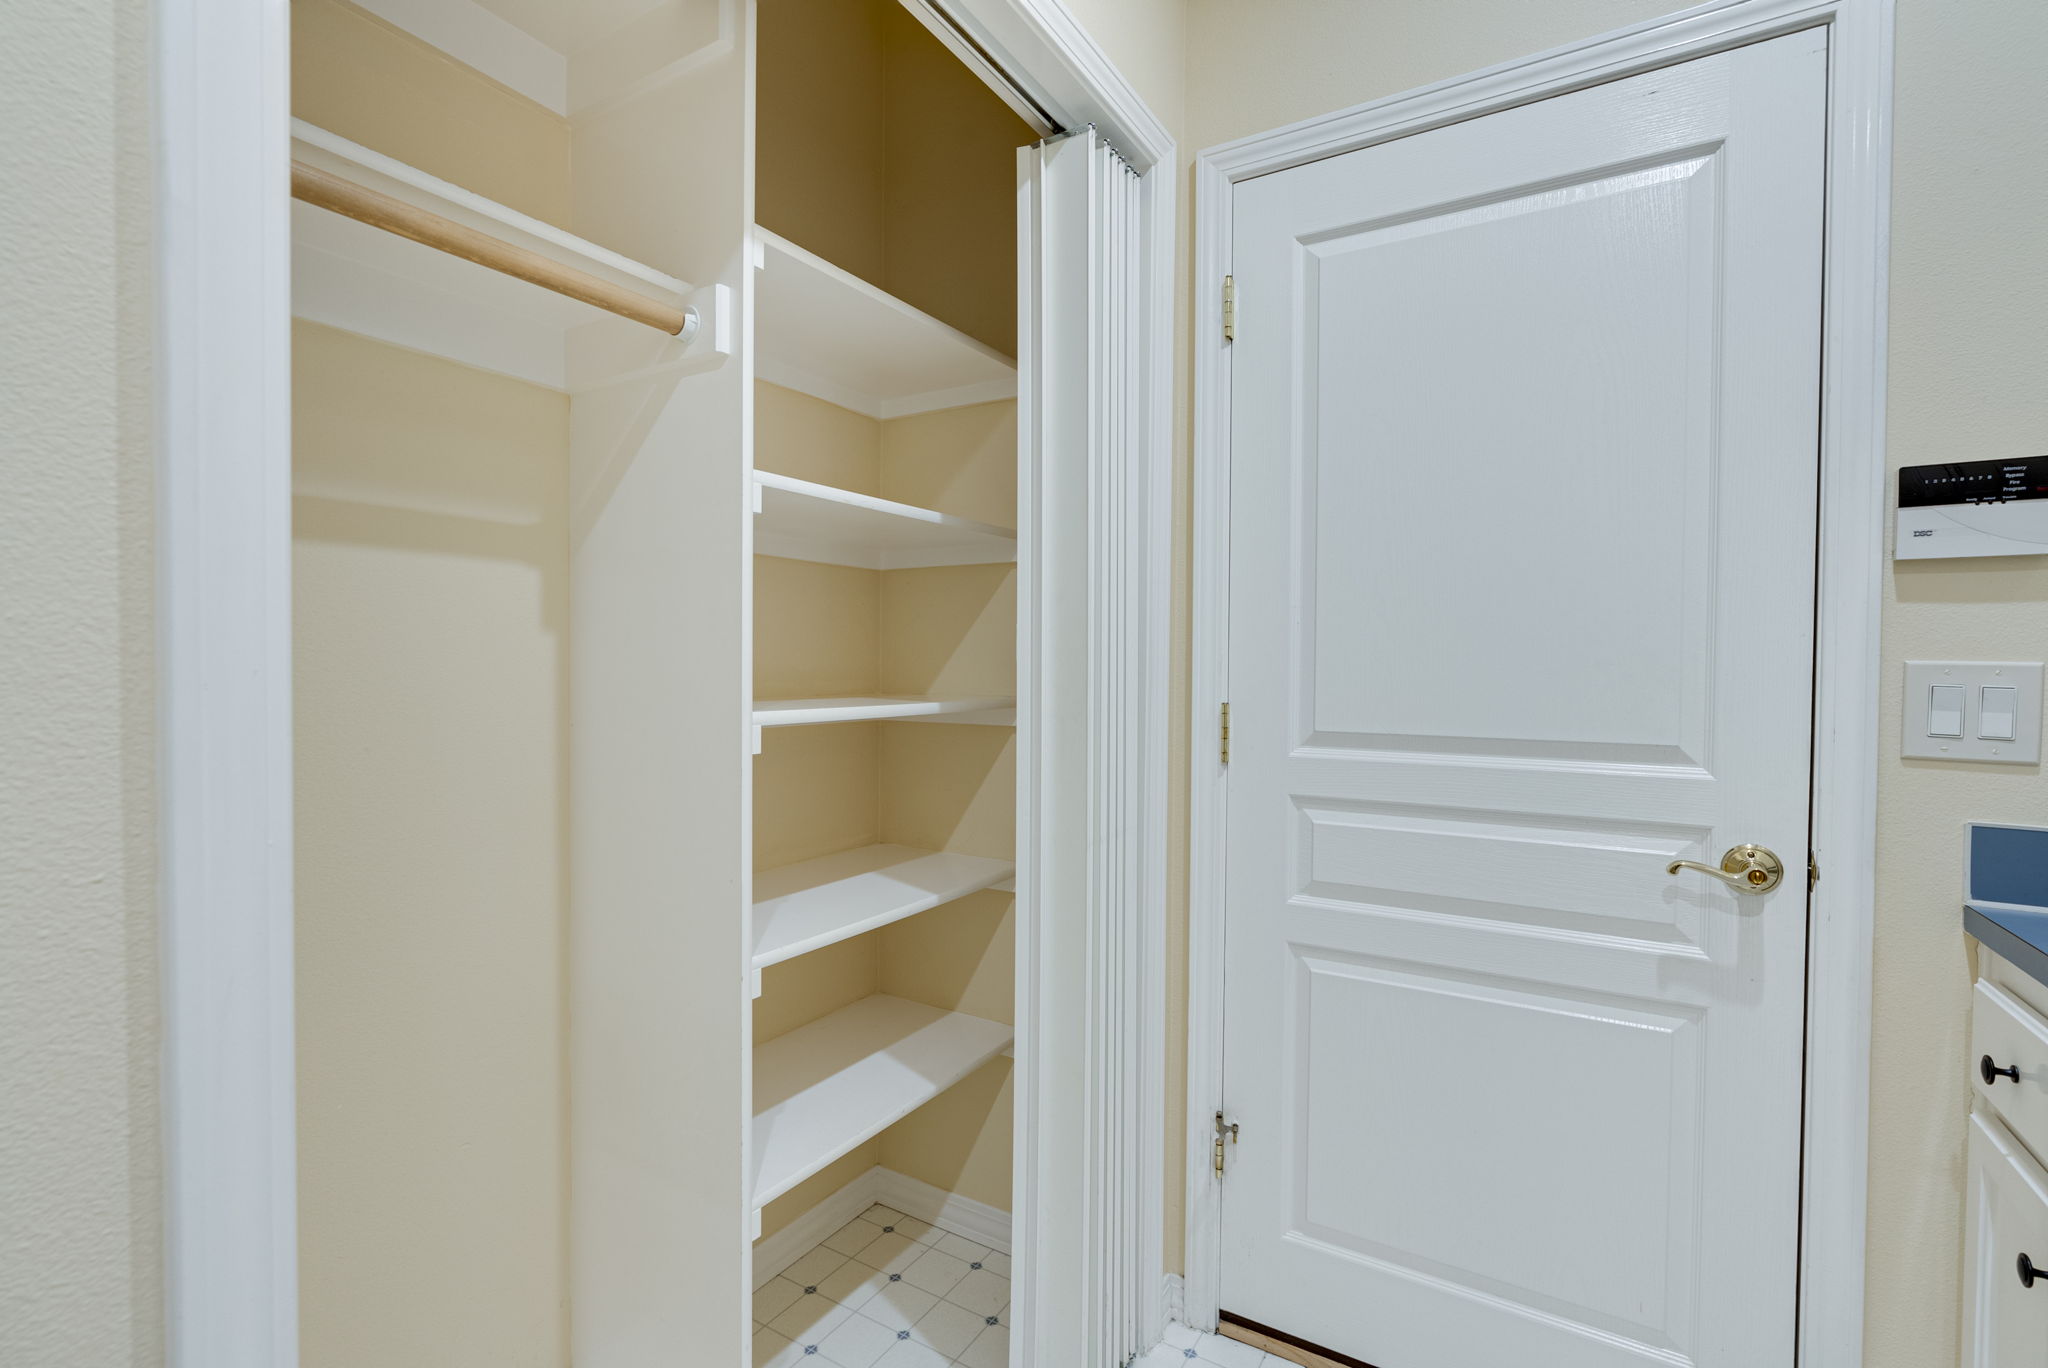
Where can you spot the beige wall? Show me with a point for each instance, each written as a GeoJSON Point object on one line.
{"type": "Point", "coordinates": [881, 153]}
{"type": "Point", "coordinates": [357, 76]}
{"type": "Point", "coordinates": [80, 1187]}
{"type": "Point", "coordinates": [430, 563]}
{"type": "Point", "coordinates": [1969, 338]}
{"type": "Point", "coordinates": [821, 630]}
{"type": "Point", "coordinates": [430, 636]}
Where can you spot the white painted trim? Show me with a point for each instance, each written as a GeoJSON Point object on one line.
{"type": "Point", "coordinates": [1173, 1300]}
{"type": "Point", "coordinates": [1835, 1153]}
{"type": "Point", "coordinates": [968, 1219]}
{"type": "Point", "coordinates": [1208, 691]}
{"type": "Point", "coordinates": [1047, 54]}
{"type": "Point", "coordinates": [773, 1253]}
{"type": "Point", "coordinates": [478, 38]}
{"type": "Point", "coordinates": [223, 268]}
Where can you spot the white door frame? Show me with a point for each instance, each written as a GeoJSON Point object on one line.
{"type": "Point", "coordinates": [1850, 594]}
{"type": "Point", "coordinates": [224, 661]}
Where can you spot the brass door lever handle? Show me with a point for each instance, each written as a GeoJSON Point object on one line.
{"type": "Point", "coordinates": [1745, 868]}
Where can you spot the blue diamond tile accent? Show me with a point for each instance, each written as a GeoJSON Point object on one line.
{"type": "Point", "coordinates": [991, 1320]}
{"type": "Point", "coordinates": [895, 1277]}
{"type": "Point", "coordinates": [809, 1290]}
{"type": "Point", "coordinates": [902, 1334]}
{"type": "Point", "coordinates": [974, 1265]}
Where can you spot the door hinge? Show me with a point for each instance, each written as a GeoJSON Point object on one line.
{"type": "Point", "coordinates": [1225, 734]}
{"type": "Point", "coordinates": [1223, 1132]}
{"type": "Point", "coordinates": [1230, 308]}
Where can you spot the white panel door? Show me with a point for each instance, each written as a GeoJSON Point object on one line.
{"type": "Point", "coordinates": [1524, 467]}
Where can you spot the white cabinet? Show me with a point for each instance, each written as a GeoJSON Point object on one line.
{"type": "Point", "coordinates": [2005, 1300]}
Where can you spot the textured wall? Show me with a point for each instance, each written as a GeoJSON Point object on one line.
{"type": "Point", "coordinates": [1969, 379]}
{"type": "Point", "coordinates": [80, 1189]}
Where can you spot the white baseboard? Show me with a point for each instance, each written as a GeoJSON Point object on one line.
{"type": "Point", "coordinates": [773, 1253]}
{"type": "Point", "coordinates": [968, 1219]}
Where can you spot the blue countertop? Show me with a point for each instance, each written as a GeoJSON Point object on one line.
{"type": "Point", "coordinates": [2006, 907]}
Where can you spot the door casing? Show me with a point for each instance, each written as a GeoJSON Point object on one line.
{"type": "Point", "coordinates": [1849, 596]}
{"type": "Point", "coordinates": [224, 660]}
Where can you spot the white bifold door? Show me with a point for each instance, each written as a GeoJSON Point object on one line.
{"type": "Point", "coordinates": [1523, 494]}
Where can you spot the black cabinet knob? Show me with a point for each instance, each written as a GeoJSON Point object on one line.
{"type": "Point", "coordinates": [2028, 1272]}
{"type": "Point", "coordinates": [1991, 1073]}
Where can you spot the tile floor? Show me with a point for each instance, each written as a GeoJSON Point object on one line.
{"type": "Point", "coordinates": [1185, 1348]}
{"type": "Point", "coordinates": [890, 1291]}
{"type": "Point", "coordinates": [887, 1291]}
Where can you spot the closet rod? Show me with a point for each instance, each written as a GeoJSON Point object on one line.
{"type": "Point", "coordinates": [328, 191]}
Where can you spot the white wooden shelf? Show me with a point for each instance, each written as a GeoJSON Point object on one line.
{"type": "Point", "coordinates": [825, 1088]}
{"type": "Point", "coordinates": [802, 712]}
{"type": "Point", "coordinates": [829, 333]}
{"type": "Point", "coordinates": [803, 907]}
{"type": "Point", "coordinates": [814, 522]}
{"type": "Point", "coordinates": [364, 280]}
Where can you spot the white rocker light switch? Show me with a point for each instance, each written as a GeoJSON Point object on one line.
{"type": "Point", "coordinates": [1998, 716]}
{"type": "Point", "coordinates": [1945, 709]}
{"type": "Point", "coordinates": [1988, 711]}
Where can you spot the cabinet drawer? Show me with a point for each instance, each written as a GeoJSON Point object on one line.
{"type": "Point", "coordinates": [2013, 1036]}
{"type": "Point", "coordinates": [2005, 1322]}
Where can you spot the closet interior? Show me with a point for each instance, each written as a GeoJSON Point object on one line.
{"type": "Point", "coordinates": [656, 646]}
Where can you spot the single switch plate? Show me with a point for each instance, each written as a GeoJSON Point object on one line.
{"type": "Point", "coordinates": [2011, 688]}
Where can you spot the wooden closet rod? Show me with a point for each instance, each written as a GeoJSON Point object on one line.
{"type": "Point", "coordinates": [379, 210]}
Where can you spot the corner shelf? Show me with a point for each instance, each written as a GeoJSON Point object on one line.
{"type": "Point", "coordinates": [803, 712]}
{"type": "Point", "coordinates": [364, 280]}
{"type": "Point", "coordinates": [802, 520]}
{"type": "Point", "coordinates": [832, 335]}
{"type": "Point", "coordinates": [803, 907]}
{"type": "Point", "coordinates": [824, 1089]}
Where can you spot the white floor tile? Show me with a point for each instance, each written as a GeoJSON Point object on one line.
{"type": "Point", "coordinates": [1181, 1337]}
{"type": "Point", "coordinates": [991, 1349]}
{"type": "Point", "coordinates": [775, 1351]}
{"type": "Point", "coordinates": [810, 1320]}
{"type": "Point", "coordinates": [852, 1283]}
{"type": "Point", "coordinates": [949, 1243]}
{"type": "Point", "coordinates": [910, 1354]}
{"type": "Point", "coordinates": [774, 1297]}
{"type": "Point", "coordinates": [892, 1253]}
{"type": "Point", "coordinates": [936, 1272]}
{"type": "Point", "coordinates": [997, 1263]}
{"type": "Point", "coordinates": [856, 1342]}
{"type": "Point", "coordinates": [980, 1291]}
{"type": "Point", "coordinates": [881, 1215]}
{"type": "Point", "coordinates": [920, 1232]}
{"type": "Point", "coordinates": [948, 1329]}
{"type": "Point", "coordinates": [813, 1267]}
{"type": "Point", "coordinates": [899, 1305]}
{"type": "Point", "coordinates": [853, 1237]}
{"type": "Point", "coordinates": [1229, 1353]}
{"type": "Point", "coordinates": [1163, 1356]}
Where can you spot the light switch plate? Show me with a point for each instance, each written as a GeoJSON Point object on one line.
{"type": "Point", "coordinates": [1974, 676]}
